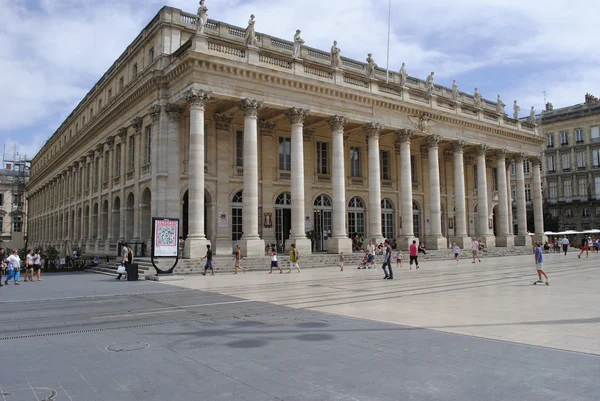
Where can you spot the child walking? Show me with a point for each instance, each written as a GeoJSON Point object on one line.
{"type": "Point", "coordinates": [456, 250]}
{"type": "Point", "coordinates": [274, 262]}
{"type": "Point", "coordinates": [342, 261]}
{"type": "Point", "coordinates": [399, 259]}
{"type": "Point", "coordinates": [539, 264]}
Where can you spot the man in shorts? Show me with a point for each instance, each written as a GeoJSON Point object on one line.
{"type": "Point", "coordinates": [475, 250]}
{"type": "Point", "coordinates": [294, 259]}
{"type": "Point", "coordinates": [539, 264]}
{"type": "Point", "coordinates": [414, 254]}
{"type": "Point", "coordinates": [209, 261]}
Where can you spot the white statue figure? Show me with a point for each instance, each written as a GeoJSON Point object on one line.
{"type": "Point", "coordinates": [531, 119]}
{"type": "Point", "coordinates": [202, 17]}
{"type": "Point", "coordinates": [336, 59]}
{"type": "Point", "coordinates": [370, 70]}
{"type": "Point", "coordinates": [250, 33]}
{"type": "Point", "coordinates": [455, 94]}
{"type": "Point", "coordinates": [516, 110]}
{"type": "Point", "coordinates": [429, 84]}
{"type": "Point", "coordinates": [298, 42]}
{"type": "Point", "coordinates": [403, 75]}
{"type": "Point", "coordinates": [477, 98]}
{"type": "Point", "coordinates": [500, 106]}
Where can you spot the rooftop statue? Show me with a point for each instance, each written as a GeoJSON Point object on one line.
{"type": "Point", "coordinates": [370, 66]}
{"type": "Point", "coordinates": [403, 75]}
{"type": "Point", "coordinates": [202, 17]}
{"type": "Point", "coordinates": [477, 98]}
{"type": "Point", "coordinates": [298, 42]}
{"type": "Point", "coordinates": [336, 59]}
{"type": "Point", "coordinates": [516, 110]}
{"type": "Point", "coordinates": [250, 33]}
{"type": "Point", "coordinates": [455, 94]}
{"type": "Point", "coordinates": [531, 118]}
{"type": "Point", "coordinates": [429, 84]}
{"type": "Point", "coordinates": [500, 106]}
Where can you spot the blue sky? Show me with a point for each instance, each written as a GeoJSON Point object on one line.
{"type": "Point", "coordinates": [53, 51]}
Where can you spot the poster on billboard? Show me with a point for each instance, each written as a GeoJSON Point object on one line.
{"type": "Point", "coordinates": [165, 234]}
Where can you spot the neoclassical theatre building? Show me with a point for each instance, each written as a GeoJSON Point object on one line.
{"type": "Point", "coordinates": [253, 140]}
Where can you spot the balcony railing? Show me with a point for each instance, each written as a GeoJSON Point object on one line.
{"type": "Point", "coordinates": [238, 171]}
{"type": "Point", "coordinates": [323, 178]}
{"type": "Point", "coordinates": [129, 175]}
{"type": "Point", "coordinates": [356, 181]}
{"type": "Point", "coordinates": [595, 140]}
{"type": "Point", "coordinates": [146, 169]}
{"type": "Point", "coordinates": [564, 144]}
{"type": "Point", "coordinates": [285, 175]}
{"type": "Point", "coordinates": [105, 185]}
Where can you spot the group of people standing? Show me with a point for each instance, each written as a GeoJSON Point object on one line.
{"type": "Point", "coordinates": [12, 265]}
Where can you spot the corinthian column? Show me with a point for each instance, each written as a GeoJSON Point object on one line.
{"type": "Point", "coordinates": [460, 210]}
{"type": "Point", "coordinates": [296, 117]}
{"type": "Point", "coordinates": [339, 241]}
{"type": "Point", "coordinates": [175, 114]}
{"type": "Point", "coordinates": [435, 240]}
{"type": "Point", "coordinates": [373, 130]}
{"type": "Point", "coordinates": [509, 200]}
{"type": "Point", "coordinates": [538, 211]}
{"type": "Point", "coordinates": [406, 201]}
{"type": "Point", "coordinates": [482, 198]}
{"type": "Point", "coordinates": [251, 243]}
{"type": "Point", "coordinates": [195, 244]}
{"type": "Point", "coordinates": [523, 238]}
{"type": "Point", "coordinates": [504, 238]}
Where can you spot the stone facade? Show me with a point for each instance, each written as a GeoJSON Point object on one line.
{"type": "Point", "coordinates": [13, 206]}
{"type": "Point", "coordinates": [572, 164]}
{"type": "Point", "coordinates": [249, 145]}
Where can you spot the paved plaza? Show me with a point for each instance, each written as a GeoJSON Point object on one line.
{"type": "Point", "coordinates": [445, 332]}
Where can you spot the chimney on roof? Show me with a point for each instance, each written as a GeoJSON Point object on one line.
{"type": "Point", "coordinates": [549, 107]}
{"type": "Point", "coordinates": [8, 166]}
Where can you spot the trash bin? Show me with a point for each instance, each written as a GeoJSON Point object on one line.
{"type": "Point", "coordinates": [132, 271]}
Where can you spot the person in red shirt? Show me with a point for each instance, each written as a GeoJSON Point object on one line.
{"type": "Point", "coordinates": [414, 254]}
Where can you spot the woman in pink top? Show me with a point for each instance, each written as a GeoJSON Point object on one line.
{"type": "Point", "coordinates": [414, 254]}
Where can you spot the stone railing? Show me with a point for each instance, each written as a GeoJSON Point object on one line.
{"type": "Point", "coordinates": [146, 169]}
{"type": "Point", "coordinates": [238, 171]}
{"type": "Point", "coordinates": [129, 175]}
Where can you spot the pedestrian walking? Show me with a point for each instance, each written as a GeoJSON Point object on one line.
{"type": "Point", "coordinates": [342, 261]}
{"type": "Point", "coordinates": [209, 262]}
{"type": "Point", "coordinates": [387, 261]}
{"type": "Point", "coordinates": [414, 254]}
{"type": "Point", "coordinates": [274, 262]}
{"type": "Point", "coordinates": [399, 259]}
{"type": "Point", "coordinates": [456, 251]}
{"type": "Point", "coordinates": [37, 264]}
{"type": "Point", "coordinates": [475, 250]}
{"type": "Point", "coordinates": [29, 266]}
{"type": "Point", "coordinates": [539, 264]}
{"type": "Point", "coordinates": [565, 244]}
{"type": "Point", "coordinates": [371, 254]}
{"type": "Point", "coordinates": [584, 248]}
{"type": "Point", "coordinates": [238, 259]}
{"type": "Point", "coordinates": [14, 267]}
{"type": "Point", "coordinates": [2, 265]}
{"type": "Point", "coordinates": [294, 256]}
{"type": "Point", "coordinates": [124, 253]}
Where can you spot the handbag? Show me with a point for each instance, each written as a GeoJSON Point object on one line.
{"type": "Point", "coordinates": [121, 269]}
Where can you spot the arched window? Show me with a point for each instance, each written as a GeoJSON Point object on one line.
{"type": "Point", "coordinates": [284, 199]}
{"type": "Point", "coordinates": [236, 216]}
{"type": "Point", "coordinates": [322, 221]}
{"type": "Point", "coordinates": [356, 202]}
{"type": "Point", "coordinates": [387, 219]}
{"type": "Point", "coordinates": [417, 220]}
{"type": "Point", "coordinates": [322, 201]}
{"type": "Point", "coordinates": [356, 216]}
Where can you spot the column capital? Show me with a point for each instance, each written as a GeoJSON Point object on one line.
{"type": "Point", "coordinates": [373, 130]}
{"type": "Point", "coordinates": [424, 149]}
{"type": "Point", "coordinates": [536, 160]}
{"type": "Point", "coordinates": [405, 135]}
{"type": "Point", "coordinates": [296, 115]}
{"type": "Point", "coordinates": [433, 141]}
{"type": "Point", "coordinates": [501, 154]}
{"type": "Point", "coordinates": [520, 157]}
{"type": "Point", "coordinates": [308, 134]}
{"type": "Point", "coordinates": [110, 141]}
{"type": "Point", "coordinates": [337, 123]}
{"type": "Point", "coordinates": [174, 112]}
{"type": "Point", "coordinates": [346, 139]}
{"type": "Point", "coordinates": [448, 155]}
{"type": "Point", "coordinates": [397, 147]}
{"type": "Point", "coordinates": [154, 112]}
{"type": "Point", "coordinates": [122, 133]}
{"type": "Point", "coordinates": [250, 107]}
{"type": "Point", "coordinates": [197, 97]}
{"type": "Point", "coordinates": [76, 164]}
{"type": "Point", "coordinates": [481, 149]}
{"type": "Point", "coordinates": [267, 128]}
{"type": "Point", "coordinates": [136, 123]}
{"type": "Point", "coordinates": [223, 121]}
{"type": "Point", "coordinates": [458, 146]}
{"type": "Point", "coordinates": [468, 159]}
{"type": "Point", "coordinates": [100, 147]}
{"type": "Point", "coordinates": [82, 160]}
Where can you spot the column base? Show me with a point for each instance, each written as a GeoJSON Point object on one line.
{"type": "Point", "coordinates": [337, 245]}
{"type": "Point", "coordinates": [541, 238]}
{"type": "Point", "coordinates": [489, 240]}
{"type": "Point", "coordinates": [195, 248]}
{"type": "Point", "coordinates": [252, 247]}
{"type": "Point", "coordinates": [523, 240]}
{"type": "Point", "coordinates": [223, 246]}
{"type": "Point", "coordinates": [435, 242]}
{"type": "Point", "coordinates": [303, 245]}
{"type": "Point", "coordinates": [463, 242]}
{"type": "Point", "coordinates": [404, 243]}
{"type": "Point", "coordinates": [505, 241]}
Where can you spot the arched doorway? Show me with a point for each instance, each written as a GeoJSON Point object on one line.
{"type": "Point", "coordinates": [322, 218]}
{"type": "Point", "coordinates": [443, 221]}
{"type": "Point", "coordinates": [237, 214]}
{"type": "Point", "coordinates": [78, 225]}
{"type": "Point", "coordinates": [387, 219]}
{"type": "Point", "coordinates": [146, 215]}
{"type": "Point", "coordinates": [356, 217]}
{"type": "Point", "coordinates": [105, 219]}
{"type": "Point", "coordinates": [129, 217]}
{"type": "Point", "coordinates": [185, 216]}
{"type": "Point", "coordinates": [86, 223]}
{"type": "Point", "coordinates": [116, 221]}
{"type": "Point", "coordinates": [495, 219]}
{"type": "Point", "coordinates": [417, 220]}
{"type": "Point", "coordinates": [95, 222]}
{"type": "Point", "coordinates": [475, 220]}
{"type": "Point", "coordinates": [72, 231]}
{"type": "Point", "coordinates": [283, 218]}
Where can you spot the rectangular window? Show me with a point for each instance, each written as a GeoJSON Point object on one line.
{"type": "Point", "coordinates": [580, 159]}
{"type": "Point", "coordinates": [239, 148]}
{"type": "Point", "coordinates": [566, 162]}
{"type": "Point", "coordinates": [413, 169]}
{"type": "Point", "coordinates": [118, 161]}
{"type": "Point", "coordinates": [131, 153]}
{"type": "Point", "coordinates": [513, 168]}
{"type": "Point", "coordinates": [151, 55]}
{"type": "Point", "coordinates": [475, 176]}
{"type": "Point", "coordinates": [550, 162]}
{"type": "Point", "coordinates": [17, 223]}
{"type": "Point", "coordinates": [121, 83]}
{"type": "Point", "coordinates": [148, 144]}
{"type": "Point", "coordinates": [1, 199]}
{"type": "Point", "coordinates": [567, 188]}
{"type": "Point", "coordinates": [494, 179]}
{"type": "Point", "coordinates": [76, 127]}
{"type": "Point", "coordinates": [513, 192]}
{"type": "Point", "coordinates": [595, 131]}
{"type": "Point", "coordinates": [384, 161]}
{"type": "Point", "coordinates": [17, 200]}
{"type": "Point", "coordinates": [236, 223]}
{"type": "Point", "coordinates": [597, 186]}
{"type": "Point", "coordinates": [109, 94]}
{"type": "Point", "coordinates": [528, 192]}
{"type": "Point", "coordinates": [96, 173]}
{"type": "Point", "coordinates": [596, 157]}
{"type": "Point", "coordinates": [83, 121]}
{"type": "Point", "coordinates": [582, 187]}
{"type": "Point", "coordinates": [285, 154]}
{"type": "Point", "coordinates": [355, 170]}
{"type": "Point", "coordinates": [91, 113]}
{"type": "Point", "coordinates": [99, 104]}
{"type": "Point", "coordinates": [564, 138]}
{"type": "Point", "coordinates": [322, 158]}
{"type": "Point", "coordinates": [105, 173]}
{"type": "Point", "coordinates": [579, 135]}
{"type": "Point", "coordinates": [550, 140]}
{"type": "Point", "coordinates": [585, 212]}
{"type": "Point", "coordinates": [568, 213]}
{"type": "Point", "coordinates": [552, 190]}
{"type": "Point", "coordinates": [597, 210]}
{"type": "Point", "coordinates": [134, 70]}
{"type": "Point", "coordinates": [205, 144]}
{"type": "Point", "coordinates": [526, 166]}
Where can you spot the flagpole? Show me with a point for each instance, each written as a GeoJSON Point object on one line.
{"type": "Point", "coordinates": [387, 68]}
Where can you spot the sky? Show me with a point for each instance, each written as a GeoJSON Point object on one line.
{"type": "Point", "coordinates": [53, 51]}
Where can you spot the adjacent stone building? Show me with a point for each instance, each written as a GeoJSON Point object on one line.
{"type": "Point", "coordinates": [251, 139]}
{"type": "Point", "coordinates": [13, 204]}
{"type": "Point", "coordinates": [572, 164]}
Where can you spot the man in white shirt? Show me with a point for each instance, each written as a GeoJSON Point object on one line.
{"type": "Point", "coordinates": [565, 244]}
{"type": "Point", "coordinates": [475, 250]}
{"type": "Point", "coordinates": [14, 267]}
{"type": "Point", "coordinates": [371, 254]}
